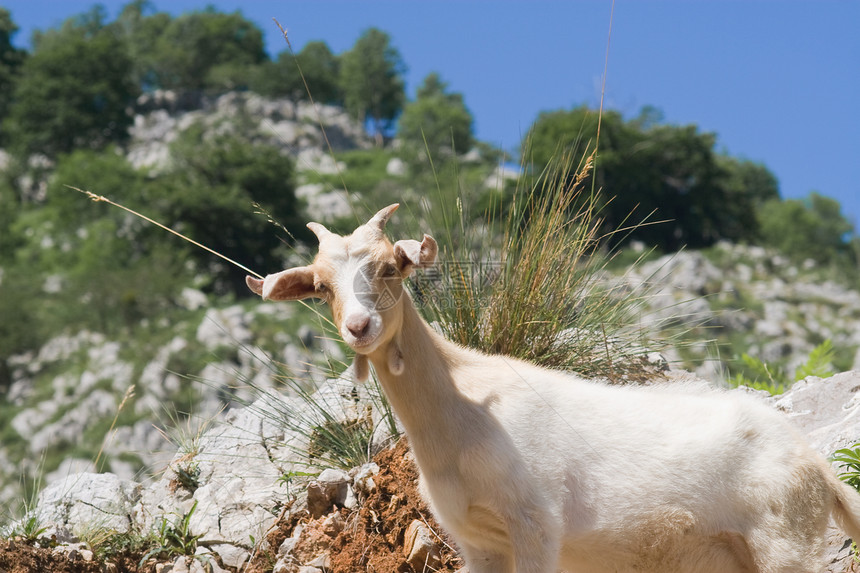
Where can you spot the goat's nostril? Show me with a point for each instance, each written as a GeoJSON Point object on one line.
{"type": "Point", "coordinates": [358, 326]}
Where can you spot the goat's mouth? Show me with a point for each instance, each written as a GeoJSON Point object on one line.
{"type": "Point", "coordinates": [364, 344]}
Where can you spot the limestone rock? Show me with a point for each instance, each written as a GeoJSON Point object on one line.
{"type": "Point", "coordinates": [500, 176]}
{"type": "Point", "coordinates": [826, 411]}
{"type": "Point", "coordinates": [86, 500]}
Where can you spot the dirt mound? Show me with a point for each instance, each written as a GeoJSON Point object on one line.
{"type": "Point", "coordinates": [373, 537]}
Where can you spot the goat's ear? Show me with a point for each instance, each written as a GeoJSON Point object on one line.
{"type": "Point", "coordinates": [412, 254]}
{"type": "Point", "coordinates": [256, 285]}
{"type": "Point", "coordinates": [293, 284]}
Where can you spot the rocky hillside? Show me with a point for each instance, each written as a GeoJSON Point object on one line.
{"type": "Point", "coordinates": [68, 394]}
{"type": "Point", "coordinates": [733, 299]}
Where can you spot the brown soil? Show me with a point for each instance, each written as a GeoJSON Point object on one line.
{"type": "Point", "coordinates": [20, 557]}
{"type": "Point", "coordinates": [370, 539]}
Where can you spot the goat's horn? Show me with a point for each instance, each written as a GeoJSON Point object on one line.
{"type": "Point", "coordinates": [320, 231]}
{"type": "Point", "coordinates": [381, 218]}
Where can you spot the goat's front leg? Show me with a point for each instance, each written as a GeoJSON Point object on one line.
{"type": "Point", "coordinates": [531, 546]}
{"type": "Point", "coordinates": [536, 546]}
{"type": "Point", "coordinates": [487, 561]}
{"type": "Point", "coordinates": [532, 557]}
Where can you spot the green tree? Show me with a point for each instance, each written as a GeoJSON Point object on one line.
{"type": "Point", "coordinates": [321, 69]}
{"type": "Point", "coordinates": [810, 228]}
{"type": "Point", "coordinates": [210, 195]}
{"type": "Point", "coordinates": [73, 91]}
{"type": "Point", "coordinates": [655, 172]}
{"type": "Point", "coordinates": [371, 81]}
{"type": "Point", "coordinates": [203, 50]}
{"type": "Point", "coordinates": [93, 265]}
{"type": "Point", "coordinates": [11, 59]}
{"type": "Point", "coordinates": [747, 187]}
{"type": "Point", "coordinates": [142, 26]}
{"type": "Point", "coordinates": [436, 117]}
{"type": "Point", "coordinates": [319, 66]}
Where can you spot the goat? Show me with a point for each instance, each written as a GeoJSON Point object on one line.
{"type": "Point", "coordinates": [534, 470]}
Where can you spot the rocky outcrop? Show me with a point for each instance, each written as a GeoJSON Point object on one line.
{"type": "Point", "coordinates": [827, 413]}
{"type": "Point", "coordinates": [78, 383]}
{"type": "Point", "coordinates": [749, 299]}
{"type": "Point", "coordinates": [235, 479]}
{"type": "Point", "coordinates": [88, 501]}
{"type": "Point", "coordinates": [294, 127]}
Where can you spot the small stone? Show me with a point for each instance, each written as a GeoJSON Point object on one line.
{"type": "Point", "coordinates": [230, 555]}
{"type": "Point", "coordinates": [290, 542]}
{"type": "Point", "coordinates": [333, 524]}
{"type": "Point", "coordinates": [180, 565]}
{"type": "Point", "coordinates": [422, 552]}
{"type": "Point", "coordinates": [327, 491]}
{"type": "Point", "coordinates": [396, 167]}
{"type": "Point", "coordinates": [362, 481]}
{"type": "Point", "coordinates": [322, 561]}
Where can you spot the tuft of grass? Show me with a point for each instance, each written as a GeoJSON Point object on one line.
{"type": "Point", "coordinates": [30, 529]}
{"type": "Point", "coordinates": [526, 280]}
{"type": "Point", "coordinates": [331, 432]}
{"type": "Point", "coordinates": [27, 524]}
{"type": "Point", "coordinates": [334, 428]}
{"type": "Point", "coordinates": [849, 460]}
{"type": "Point", "coordinates": [819, 363]}
{"type": "Point", "coordinates": [174, 538]}
{"type": "Point", "coordinates": [185, 432]}
{"type": "Point", "coordinates": [109, 545]}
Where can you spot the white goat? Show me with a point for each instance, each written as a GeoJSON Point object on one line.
{"type": "Point", "coordinates": [533, 470]}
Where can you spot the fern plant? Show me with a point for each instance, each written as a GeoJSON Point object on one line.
{"type": "Point", "coordinates": [819, 362]}
{"type": "Point", "coordinates": [773, 379]}
{"type": "Point", "coordinates": [849, 459]}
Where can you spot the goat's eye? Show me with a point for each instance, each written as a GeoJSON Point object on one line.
{"type": "Point", "coordinates": [389, 270]}
{"type": "Point", "coordinates": [323, 288]}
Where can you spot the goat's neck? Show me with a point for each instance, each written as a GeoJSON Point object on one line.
{"type": "Point", "coordinates": [423, 394]}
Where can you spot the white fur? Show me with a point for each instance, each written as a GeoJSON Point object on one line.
{"type": "Point", "coordinates": [534, 471]}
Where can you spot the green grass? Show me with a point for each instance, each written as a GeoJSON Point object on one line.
{"type": "Point", "coordinates": [773, 378]}
{"type": "Point", "coordinates": [174, 538]}
{"type": "Point", "coordinates": [523, 279]}
{"type": "Point", "coordinates": [331, 434]}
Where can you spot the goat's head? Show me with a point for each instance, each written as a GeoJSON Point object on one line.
{"type": "Point", "coordinates": [360, 276]}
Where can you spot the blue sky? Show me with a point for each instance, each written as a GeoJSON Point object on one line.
{"type": "Point", "coordinates": [778, 81]}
